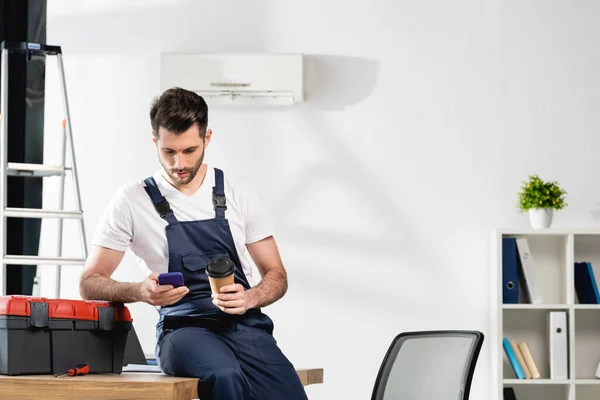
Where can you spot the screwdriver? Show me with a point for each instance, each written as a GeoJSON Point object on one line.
{"type": "Point", "coordinates": [80, 369]}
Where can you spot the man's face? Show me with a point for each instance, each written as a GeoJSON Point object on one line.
{"type": "Point", "coordinates": [181, 155]}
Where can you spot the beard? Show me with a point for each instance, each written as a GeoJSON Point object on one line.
{"type": "Point", "coordinates": [192, 172]}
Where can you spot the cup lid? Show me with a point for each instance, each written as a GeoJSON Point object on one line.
{"type": "Point", "coordinates": [220, 267]}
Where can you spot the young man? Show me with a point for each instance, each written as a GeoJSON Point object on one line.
{"type": "Point", "coordinates": [179, 220]}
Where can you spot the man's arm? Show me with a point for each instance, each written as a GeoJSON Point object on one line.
{"type": "Point", "coordinates": [95, 282]}
{"type": "Point", "coordinates": [273, 284]}
{"type": "Point", "coordinates": [271, 288]}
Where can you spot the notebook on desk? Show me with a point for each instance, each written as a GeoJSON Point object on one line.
{"type": "Point", "coordinates": [134, 359]}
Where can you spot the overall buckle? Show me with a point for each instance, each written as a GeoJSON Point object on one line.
{"type": "Point", "coordinates": [219, 201]}
{"type": "Point", "coordinates": [163, 208]}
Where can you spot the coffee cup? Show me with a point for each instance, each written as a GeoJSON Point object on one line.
{"type": "Point", "coordinates": [220, 273]}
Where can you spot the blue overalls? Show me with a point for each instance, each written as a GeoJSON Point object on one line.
{"type": "Point", "coordinates": [234, 356]}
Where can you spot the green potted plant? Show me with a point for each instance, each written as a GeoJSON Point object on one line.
{"type": "Point", "coordinates": [540, 199]}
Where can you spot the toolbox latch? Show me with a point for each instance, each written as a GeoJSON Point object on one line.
{"type": "Point", "coordinates": [106, 318]}
{"type": "Point", "coordinates": [39, 314]}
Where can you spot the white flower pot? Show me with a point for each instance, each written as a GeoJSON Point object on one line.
{"type": "Point", "coordinates": [541, 218]}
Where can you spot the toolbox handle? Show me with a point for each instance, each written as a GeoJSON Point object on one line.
{"type": "Point", "coordinates": [38, 316]}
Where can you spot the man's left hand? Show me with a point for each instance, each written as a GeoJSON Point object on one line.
{"type": "Point", "coordinates": [233, 299]}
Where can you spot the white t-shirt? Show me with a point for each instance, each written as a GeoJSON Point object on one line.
{"type": "Point", "coordinates": [131, 221]}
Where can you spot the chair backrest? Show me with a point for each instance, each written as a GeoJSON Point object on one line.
{"type": "Point", "coordinates": [429, 365]}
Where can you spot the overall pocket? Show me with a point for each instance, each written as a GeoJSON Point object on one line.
{"type": "Point", "coordinates": [267, 349]}
{"type": "Point", "coordinates": [196, 261]}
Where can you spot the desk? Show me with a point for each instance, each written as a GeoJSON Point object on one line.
{"type": "Point", "coordinates": [128, 385]}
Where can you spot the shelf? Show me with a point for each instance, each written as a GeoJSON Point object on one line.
{"type": "Point", "coordinates": [531, 326]}
{"type": "Point", "coordinates": [550, 257]}
{"type": "Point", "coordinates": [587, 391]}
{"type": "Point", "coordinates": [554, 253]}
{"type": "Point", "coordinates": [587, 343]}
{"type": "Point", "coordinates": [545, 232]}
{"type": "Point", "coordinates": [537, 307]}
{"type": "Point", "coordinates": [586, 306]}
{"type": "Point", "coordinates": [508, 382]}
{"type": "Point", "coordinates": [587, 249]}
{"type": "Point", "coordinates": [556, 391]}
{"type": "Point", "coordinates": [550, 306]}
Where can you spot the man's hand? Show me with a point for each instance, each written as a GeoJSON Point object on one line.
{"type": "Point", "coordinates": [160, 295]}
{"type": "Point", "coordinates": [233, 299]}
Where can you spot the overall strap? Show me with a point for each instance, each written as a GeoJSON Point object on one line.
{"type": "Point", "coordinates": [160, 203]}
{"type": "Point", "coordinates": [219, 201]}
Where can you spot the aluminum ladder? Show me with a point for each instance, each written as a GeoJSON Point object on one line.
{"type": "Point", "coordinates": [37, 170]}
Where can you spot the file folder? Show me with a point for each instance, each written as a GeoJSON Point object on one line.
{"type": "Point", "coordinates": [528, 277]}
{"type": "Point", "coordinates": [512, 359]}
{"type": "Point", "coordinates": [559, 356]}
{"type": "Point", "coordinates": [585, 284]}
{"type": "Point", "coordinates": [510, 275]}
{"type": "Point", "coordinates": [509, 394]}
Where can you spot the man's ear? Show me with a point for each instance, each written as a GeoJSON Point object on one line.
{"type": "Point", "coordinates": [207, 137]}
{"type": "Point", "coordinates": [154, 139]}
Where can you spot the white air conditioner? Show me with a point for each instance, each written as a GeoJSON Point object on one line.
{"type": "Point", "coordinates": [255, 79]}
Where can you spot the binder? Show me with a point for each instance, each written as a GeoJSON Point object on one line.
{"type": "Point", "coordinates": [512, 359]}
{"type": "Point", "coordinates": [585, 284]}
{"type": "Point", "coordinates": [520, 359]}
{"type": "Point", "coordinates": [526, 352]}
{"type": "Point", "coordinates": [510, 275]}
{"type": "Point", "coordinates": [594, 283]}
{"type": "Point", "coordinates": [528, 277]}
{"type": "Point", "coordinates": [509, 393]}
{"type": "Point", "coordinates": [558, 345]}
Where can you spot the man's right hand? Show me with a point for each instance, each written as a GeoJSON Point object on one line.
{"type": "Point", "coordinates": [160, 295]}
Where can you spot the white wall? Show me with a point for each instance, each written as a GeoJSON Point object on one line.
{"type": "Point", "coordinates": [422, 119]}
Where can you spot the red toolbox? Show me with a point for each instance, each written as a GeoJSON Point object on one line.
{"type": "Point", "coordinates": [49, 336]}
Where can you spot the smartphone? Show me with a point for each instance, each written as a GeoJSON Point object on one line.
{"type": "Point", "coordinates": [171, 278]}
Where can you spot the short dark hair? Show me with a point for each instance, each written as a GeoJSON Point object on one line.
{"type": "Point", "coordinates": [177, 109]}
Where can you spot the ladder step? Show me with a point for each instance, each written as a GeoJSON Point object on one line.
{"type": "Point", "coordinates": [41, 213]}
{"type": "Point", "coordinates": [39, 260]}
{"type": "Point", "coordinates": [35, 170]}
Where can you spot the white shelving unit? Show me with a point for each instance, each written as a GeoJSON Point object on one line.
{"type": "Point", "coordinates": [554, 252]}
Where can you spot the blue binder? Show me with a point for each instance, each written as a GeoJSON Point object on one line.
{"type": "Point", "coordinates": [510, 274]}
{"type": "Point", "coordinates": [594, 284]}
{"type": "Point", "coordinates": [512, 359]}
{"type": "Point", "coordinates": [585, 284]}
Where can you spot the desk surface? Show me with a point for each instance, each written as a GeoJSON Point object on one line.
{"type": "Point", "coordinates": [128, 385]}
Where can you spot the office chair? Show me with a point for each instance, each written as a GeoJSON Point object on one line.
{"type": "Point", "coordinates": [429, 365]}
